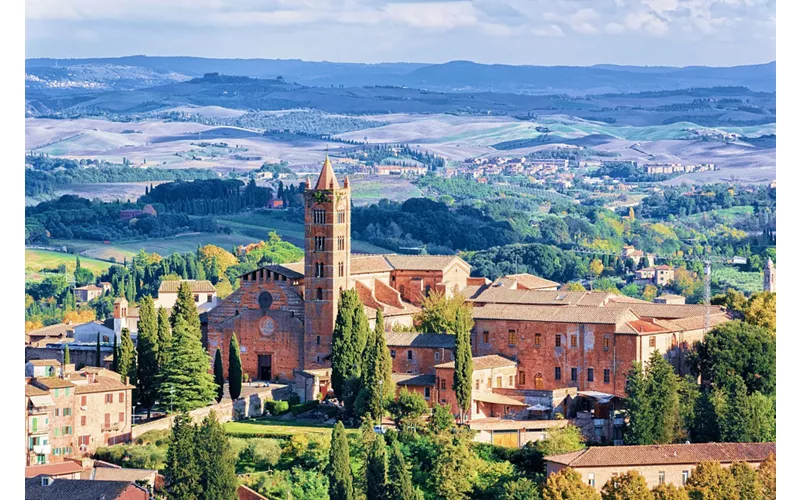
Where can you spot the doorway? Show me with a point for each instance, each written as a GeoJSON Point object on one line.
{"type": "Point", "coordinates": [265, 366]}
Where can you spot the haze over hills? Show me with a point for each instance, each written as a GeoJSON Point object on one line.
{"type": "Point", "coordinates": [454, 76]}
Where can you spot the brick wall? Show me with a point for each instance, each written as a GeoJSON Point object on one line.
{"type": "Point", "coordinates": [423, 359]}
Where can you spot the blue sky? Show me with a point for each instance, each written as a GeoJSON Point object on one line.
{"type": "Point", "coordinates": [547, 32]}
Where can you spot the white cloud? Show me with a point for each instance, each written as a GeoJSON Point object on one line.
{"type": "Point", "coordinates": [615, 28]}
{"type": "Point", "coordinates": [646, 22]}
{"type": "Point", "coordinates": [552, 30]}
{"type": "Point", "coordinates": [436, 15]}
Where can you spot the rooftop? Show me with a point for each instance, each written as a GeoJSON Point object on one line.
{"type": "Point", "coordinates": [74, 489]}
{"type": "Point", "coordinates": [567, 314]}
{"type": "Point", "coordinates": [432, 340]}
{"type": "Point", "coordinates": [483, 362]}
{"type": "Point", "coordinates": [610, 456]}
{"type": "Point", "coordinates": [172, 286]}
{"type": "Point", "coordinates": [44, 362]}
{"type": "Point", "coordinates": [414, 379]}
{"type": "Point", "coordinates": [527, 281]}
{"type": "Point", "coordinates": [57, 469]}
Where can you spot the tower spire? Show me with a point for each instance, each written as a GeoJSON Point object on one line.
{"type": "Point", "coordinates": [327, 179]}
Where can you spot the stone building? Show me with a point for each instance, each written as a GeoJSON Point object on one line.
{"type": "Point", "coordinates": [205, 295]}
{"type": "Point", "coordinates": [87, 293]}
{"type": "Point", "coordinates": [769, 276]}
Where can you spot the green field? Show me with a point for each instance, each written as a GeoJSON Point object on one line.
{"type": "Point", "coordinates": [278, 427]}
{"type": "Point", "coordinates": [36, 260]}
{"type": "Point", "coordinates": [371, 189]}
{"type": "Point", "coordinates": [731, 277]}
{"type": "Point", "coordinates": [725, 215]}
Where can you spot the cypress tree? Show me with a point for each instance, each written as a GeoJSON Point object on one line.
{"type": "Point", "coordinates": [215, 460]}
{"type": "Point", "coordinates": [147, 354]}
{"type": "Point", "coordinates": [181, 472]}
{"type": "Point", "coordinates": [349, 340]}
{"type": "Point", "coordinates": [164, 337]}
{"type": "Point", "coordinates": [184, 380]}
{"type": "Point", "coordinates": [126, 362]}
{"type": "Point", "coordinates": [219, 376]}
{"type": "Point", "coordinates": [185, 308]}
{"type": "Point", "coordinates": [114, 355]}
{"type": "Point", "coordinates": [376, 470]}
{"type": "Point", "coordinates": [663, 388]}
{"type": "Point", "coordinates": [77, 262]}
{"type": "Point", "coordinates": [66, 354]}
{"type": "Point", "coordinates": [97, 357]}
{"type": "Point", "coordinates": [340, 477]}
{"type": "Point", "coordinates": [399, 485]}
{"type": "Point", "coordinates": [462, 376]}
{"type": "Point", "coordinates": [234, 368]}
{"type": "Point", "coordinates": [377, 386]}
{"type": "Point", "coordinates": [640, 427]}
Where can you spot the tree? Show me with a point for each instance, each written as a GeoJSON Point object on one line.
{"type": "Point", "coordinates": [438, 314]}
{"type": "Point", "coordinates": [748, 484]}
{"type": "Point", "coordinates": [462, 375]}
{"type": "Point", "coordinates": [185, 308]}
{"type": "Point", "coordinates": [761, 310]}
{"type": "Point", "coordinates": [181, 472]}
{"type": "Point", "coordinates": [627, 486]}
{"type": "Point", "coordinates": [668, 491]}
{"type": "Point", "coordinates": [561, 440]}
{"type": "Point", "coordinates": [97, 357]}
{"type": "Point", "coordinates": [376, 470]}
{"type": "Point", "coordinates": [408, 408]}
{"type": "Point", "coordinates": [66, 354]}
{"type": "Point", "coordinates": [399, 485]}
{"type": "Point", "coordinates": [219, 376]}
{"type": "Point", "coordinates": [767, 477]}
{"type": "Point", "coordinates": [164, 337]}
{"type": "Point", "coordinates": [641, 419]}
{"type": "Point", "coordinates": [114, 355]}
{"type": "Point", "coordinates": [147, 354]}
{"type": "Point", "coordinates": [126, 363]}
{"type": "Point", "coordinates": [340, 476]}
{"type": "Point", "coordinates": [653, 402]}
{"type": "Point", "coordinates": [234, 369]}
{"type": "Point", "coordinates": [215, 460]}
{"type": "Point", "coordinates": [650, 292]}
{"type": "Point", "coordinates": [567, 484]}
{"type": "Point", "coordinates": [185, 381]}
{"type": "Point", "coordinates": [596, 268]}
{"type": "Point", "coordinates": [454, 467]}
{"type": "Point", "coordinates": [574, 286]}
{"type": "Point", "coordinates": [350, 335]}
{"type": "Point", "coordinates": [377, 386]}
{"type": "Point", "coordinates": [83, 276]}
{"type": "Point", "coordinates": [520, 489]}
{"type": "Point", "coordinates": [441, 418]}
{"type": "Point", "coordinates": [711, 481]}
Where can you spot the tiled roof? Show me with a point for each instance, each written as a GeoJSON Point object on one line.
{"type": "Point", "coordinates": [122, 474]}
{"type": "Point", "coordinates": [199, 286]}
{"type": "Point", "coordinates": [44, 362]}
{"type": "Point", "coordinates": [483, 362]}
{"type": "Point", "coordinates": [499, 399]}
{"type": "Point", "coordinates": [503, 295]}
{"type": "Point", "coordinates": [414, 379]}
{"type": "Point", "coordinates": [32, 390]}
{"type": "Point", "coordinates": [368, 264]}
{"type": "Point", "coordinates": [57, 330]}
{"type": "Point", "coordinates": [54, 382]}
{"type": "Point", "coordinates": [91, 286]}
{"type": "Point", "coordinates": [432, 340]}
{"type": "Point", "coordinates": [293, 270]}
{"type": "Point", "coordinates": [57, 469]}
{"type": "Point", "coordinates": [528, 281]}
{"type": "Point", "coordinates": [101, 384]}
{"type": "Point", "coordinates": [611, 456]}
{"type": "Point", "coordinates": [670, 311]}
{"type": "Point", "coordinates": [567, 314]}
{"type": "Point", "coordinates": [424, 262]}
{"type": "Point", "coordinates": [73, 489]}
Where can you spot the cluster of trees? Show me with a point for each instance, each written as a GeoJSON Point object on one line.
{"type": "Point", "coordinates": [735, 401]}
{"type": "Point", "coordinates": [312, 122]}
{"type": "Point", "coordinates": [627, 171]}
{"type": "Point", "coordinates": [207, 197]}
{"type": "Point", "coordinates": [393, 154]}
{"type": "Point", "coordinates": [674, 201]}
{"type": "Point", "coordinates": [47, 173]}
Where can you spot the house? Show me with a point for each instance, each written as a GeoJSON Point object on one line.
{"type": "Point", "coordinates": [275, 204]}
{"type": "Point", "coordinates": [68, 469]}
{"type": "Point", "coordinates": [419, 353]}
{"type": "Point", "coordinates": [657, 275]}
{"type": "Point", "coordinates": [125, 317]}
{"type": "Point", "coordinates": [42, 368]}
{"type": "Point", "coordinates": [48, 334]}
{"type": "Point", "coordinates": [669, 298]}
{"type": "Point", "coordinates": [44, 487]}
{"type": "Point", "coordinates": [205, 295]}
{"type": "Point", "coordinates": [659, 464]}
{"type": "Point", "coordinates": [88, 292]}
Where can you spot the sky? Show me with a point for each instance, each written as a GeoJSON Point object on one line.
{"type": "Point", "coordinates": [537, 32]}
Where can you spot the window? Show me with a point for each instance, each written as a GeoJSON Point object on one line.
{"type": "Point", "coordinates": [57, 431]}
{"type": "Point", "coordinates": [574, 374]}
{"type": "Point", "coordinates": [341, 269]}
{"type": "Point", "coordinates": [652, 341]}
{"type": "Point", "coordinates": [684, 477]}
{"type": "Point", "coordinates": [319, 293]}
{"type": "Point", "coordinates": [340, 242]}
{"type": "Point", "coordinates": [489, 382]}
{"type": "Point", "coordinates": [66, 391]}
{"type": "Point", "coordinates": [393, 353]}
{"type": "Point", "coordinates": [83, 400]}
{"type": "Point", "coordinates": [558, 373]}
{"type": "Point", "coordinates": [499, 382]}
{"type": "Point", "coordinates": [477, 385]}
{"type": "Point", "coordinates": [83, 421]}
{"type": "Point", "coordinates": [590, 375]}
{"type": "Point", "coordinates": [319, 270]}
{"type": "Point", "coordinates": [537, 339]}
{"type": "Point", "coordinates": [427, 393]}
{"type": "Point", "coordinates": [661, 477]}
{"type": "Point", "coordinates": [410, 354]}
{"type": "Point", "coordinates": [340, 217]}
{"type": "Point", "coordinates": [56, 451]}
{"type": "Point", "coordinates": [318, 339]}
{"type": "Point", "coordinates": [319, 243]}
{"type": "Point", "coordinates": [511, 380]}
{"type": "Point", "coordinates": [121, 416]}
{"type": "Point", "coordinates": [196, 297]}
{"type": "Point", "coordinates": [573, 341]}
{"type": "Point", "coordinates": [558, 340]}
{"type": "Point", "coordinates": [121, 397]}
{"type": "Point", "coordinates": [57, 412]}
{"type": "Point", "coordinates": [606, 343]}
{"type": "Point", "coordinates": [442, 384]}
{"type": "Point", "coordinates": [512, 337]}
{"type": "Point", "coordinates": [319, 216]}
{"type": "Point", "coordinates": [591, 479]}
{"type": "Point", "coordinates": [109, 398]}
{"type": "Point", "coordinates": [57, 393]}
{"type": "Point", "coordinates": [521, 378]}
{"type": "Point", "coordinates": [486, 336]}
{"type": "Point", "coordinates": [108, 420]}
{"type": "Point", "coordinates": [437, 356]}
{"type": "Point", "coordinates": [68, 430]}
{"type": "Point", "coordinates": [606, 376]}
{"type": "Point", "coordinates": [66, 412]}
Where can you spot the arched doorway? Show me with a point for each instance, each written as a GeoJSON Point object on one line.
{"type": "Point", "coordinates": [538, 381]}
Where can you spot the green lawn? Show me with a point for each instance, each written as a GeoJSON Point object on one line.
{"type": "Point", "coordinates": [278, 427]}
{"type": "Point", "coordinates": [36, 260]}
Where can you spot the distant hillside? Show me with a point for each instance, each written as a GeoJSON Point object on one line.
{"type": "Point", "coordinates": [453, 76]}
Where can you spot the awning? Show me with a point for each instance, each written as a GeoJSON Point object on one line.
{"type": "Point", "coordinates": [600, 397]}
{"type": "Point", "coordinates": [490, 397]}
{"type": "Point", "coordinates": [40, 401]}
{"type": "Point", "coordinates": [538, 407]}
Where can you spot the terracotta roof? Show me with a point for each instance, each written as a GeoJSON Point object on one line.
{"type": "Point", "coordinates": [44, 362]}
{"type": "Point", "coordinates": [498, 399]}
{"type": "Point", "coordinates": [91, 286]}
{"type": "Point", "coordinates": [101, 384]}
{"type": "Point", "coordinates": [74, 489]}
{"type": "Point", "coordinates": [172, 286]}
{"type": "Point", "coordinates": [500, 294]}
{"type": "Point", "coordinates": [414, 379]}
{"type": "Point", "coordinates": [527, 281]}
{"type": "Point", "coordinates": [53, 382]}
{"type": "Point", "coordinates": [432, 340]}
{"type": "Point", "coordinates": [57, 469]}
{"type": "Point", "coordinates": [644, 327]}
{"type": "Point", "coordinates": [123, 474]}
{"type": "Point", "coordinates": [567, 314]}
{"type": "Point", "coordinates": [57, 330]}
{"type": "Point", "coordinates": [326, 176]}
{"type": "Point", "coordinates": [32, 390]}
{"type": "Point", "coordinates": [670, 311]}
{"type": "Point", "coordinates": [424, 262]}
{"type": "Point", "coordinates": [615, 456]}
{"type": "Point", "coordinates": [483, 362]}
{"type": "Point", "coordinates": [292, 271]}
{"type": "Point", "coordinates": [368, 264]}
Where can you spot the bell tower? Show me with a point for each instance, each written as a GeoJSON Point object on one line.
{"type": "Point", "coordinates": [327, 262]}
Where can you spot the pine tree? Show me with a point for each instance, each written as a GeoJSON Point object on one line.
{"type": "Point", "coordinates": [376, 470]}
{"type": "Point", "coordinates": [164, 337]}
{"type": "Point", "coordinates": [234, 369]}
{"type": "Point", "coordinates": [181, 472]}
{"type": "Point", "coordinates": [462, 376]}
{"type": "Point", "coordinates": [399, 485]}
{"type": "Point", "coordinates": [147, 354]}
{"type": "Point", "coordinates": [185, 308]}
{"type": "Point", "coordinates": [340, 476]}
{"type": "Point", "coordinates": [215, 460]}
{"type": "Point", "coordinates": [184, 381]}
{"type": "Point", "coordinates": [219, 376]}
{"type": "Point", "coordinates": [66, 354]}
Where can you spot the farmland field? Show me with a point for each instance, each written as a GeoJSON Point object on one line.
{"type": "Point", "coordinates": [36, 260]}
{"type": "Point", "coordinates": [730, 277]}
{"type": "Point", "coordinates": [278, 427]}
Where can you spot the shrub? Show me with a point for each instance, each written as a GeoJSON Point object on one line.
{"type": "Point", "coordinates": [304, 407]}
{"type": "Point", "coordinates": [276, 407]}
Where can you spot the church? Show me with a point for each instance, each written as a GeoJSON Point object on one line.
{"type": "Point", "coordinates": [284, 315]}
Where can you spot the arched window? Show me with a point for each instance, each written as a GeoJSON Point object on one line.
{"type": "Point", "coordinates": [319, 293]}
{"type": "Point", "coordinates": [538, 381]}
{"type": "Point", "coordinates": [320, 268]}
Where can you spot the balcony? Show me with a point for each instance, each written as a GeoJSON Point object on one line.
{"type": "Point", "coordinates": [38, 410]}
{"type": "Point", "coordinates": [112, 427]}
